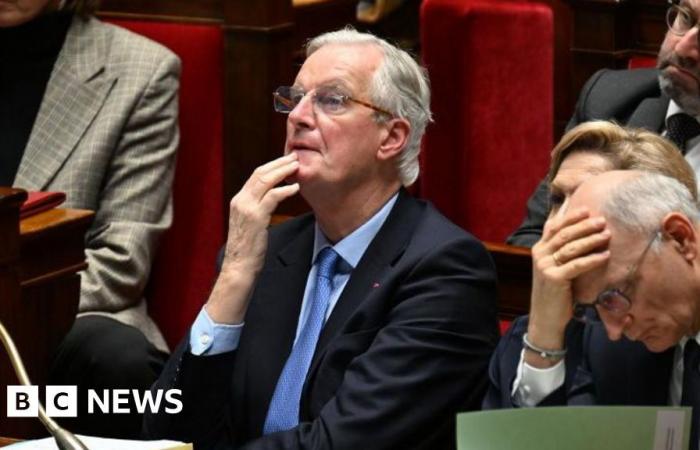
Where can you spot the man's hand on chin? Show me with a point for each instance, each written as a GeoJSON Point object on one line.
{"type": "Point", "coordinates": [249, 217]}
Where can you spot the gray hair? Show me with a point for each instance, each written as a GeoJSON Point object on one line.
{"type": "Point", "coordinates": [640, 204]}
{"type": "Point", "coordinates": [399, 85]}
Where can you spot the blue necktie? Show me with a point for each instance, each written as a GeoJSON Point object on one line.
{"type": "Point", "coordinates": [691, 387]}
{"type": "Point", "coordinates": [283, 413]}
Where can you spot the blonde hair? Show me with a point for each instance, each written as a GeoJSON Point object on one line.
{"type": "Point", "coordinates": [626, 149]}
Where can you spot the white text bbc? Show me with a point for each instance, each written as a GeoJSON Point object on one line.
{"type": "Point", "coordinates": [62, 401]}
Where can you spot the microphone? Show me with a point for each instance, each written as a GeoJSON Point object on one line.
{"type": "Point", "coordinates": [65, 440]}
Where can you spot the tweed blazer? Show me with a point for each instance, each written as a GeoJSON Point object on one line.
{"type": "Point", "coordinates": [106, 134]}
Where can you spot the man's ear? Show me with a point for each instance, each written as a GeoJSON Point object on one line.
{"type": "Point", "coordinates": [395, 138]}
{"type": "Point", "coordinates": [681, 231]}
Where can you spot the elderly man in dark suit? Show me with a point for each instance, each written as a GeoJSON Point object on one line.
{"type": "Point", "coordinates": [368, 323]}
{"type": "Point", "coordinates": [664, 100]}
{"type": "Point", "coordinates": [630, 255]}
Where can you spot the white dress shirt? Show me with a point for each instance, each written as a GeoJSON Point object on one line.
{"type": "Point", "coordinates": [532, 385]}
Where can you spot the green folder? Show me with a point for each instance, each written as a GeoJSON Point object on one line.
{"type": "Point", "coordinates": [576, 428]}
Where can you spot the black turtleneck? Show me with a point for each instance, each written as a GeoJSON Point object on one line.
{"type": "Point", "coordinates": [27, 56]}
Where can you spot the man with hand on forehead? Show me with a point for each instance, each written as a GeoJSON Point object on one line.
{"type": "Point", "coordinates": [367, 323]}
{"type": "Point", "coordinates": [629, 246]}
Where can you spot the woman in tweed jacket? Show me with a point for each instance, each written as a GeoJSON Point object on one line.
{"type": "Point", "coordinates": [90, 109]}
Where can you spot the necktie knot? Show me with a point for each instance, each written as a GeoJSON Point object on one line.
{"type": "Point", "coordinates": [680, 128]}
{"type": "Point", "coordinates": [327, 263]}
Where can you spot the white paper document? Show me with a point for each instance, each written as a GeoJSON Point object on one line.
{"type": "Point", "coordinates": [96, 443]}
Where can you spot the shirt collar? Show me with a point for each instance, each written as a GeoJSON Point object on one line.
{"type": "Point", "coordinates": [674, 108]}
{"type": "Point", "coordinates": [685, 339]}
{"type": "Point", "coordinates": [353, 246]}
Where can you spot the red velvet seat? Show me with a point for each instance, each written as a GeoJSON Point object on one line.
{"type": "Point", "coordinates": [185, 266]}
{"type": "Point", "coordinates": [491, 69]}
{"type": "Point", "coordinates": [641, 62]}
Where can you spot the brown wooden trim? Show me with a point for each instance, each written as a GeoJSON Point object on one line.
{"type": "Point", "coordinates": [34, 226]}
{"type": "Point", "coordinates": [161, 18]}
{"type": "Point", "coordinates": [209, 9]}
{"type": "Point", "coordinates": [7, 441]}
{"type": "Point", "coordinates": [514, 270]}
{"type": "Point", "coordinates": [279, 28]}
{"type": "Point", "coordinates": [10, 197]}
{"type": "Point", "coordinates": [48, 277]}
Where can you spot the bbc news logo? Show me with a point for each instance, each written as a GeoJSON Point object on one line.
{"type": "Point", "coordinates": [62, 401]}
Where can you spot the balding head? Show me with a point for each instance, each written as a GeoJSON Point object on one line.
{"type": "Point", "coordinates": [645, 210]}
{"type": "Point", "coordinates": [634, 200]}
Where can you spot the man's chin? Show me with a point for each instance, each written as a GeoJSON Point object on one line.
{"type": "Point", "coordinates": [687, 100]}
{"type": "Point", "coordinates": [658, 344]}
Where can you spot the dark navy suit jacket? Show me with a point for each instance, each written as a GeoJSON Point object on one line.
{"type": "Point", "coordinates": [598, 371]}
{"type": "Point", "coordinates": [405, 348]}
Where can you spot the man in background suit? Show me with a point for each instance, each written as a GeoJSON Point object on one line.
{"type": "Point", "coordinates": [368, 323]}
{"type": "Point", "coordinates": [665, 100]}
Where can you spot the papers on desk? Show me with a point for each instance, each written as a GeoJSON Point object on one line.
{"type": "Point", "coordinates": [576, 428]}
{"type": "Point", "coordinates": [96, 443]}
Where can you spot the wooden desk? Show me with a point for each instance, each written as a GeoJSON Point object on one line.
{"type": "Point", "coordinates": [514, 268]}
{"type": "Point", "coordinates": [40, 258]}
{"type": "Point", "coordinates": [6, 441]}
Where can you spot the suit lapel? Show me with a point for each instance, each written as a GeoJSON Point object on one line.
{"type": "Point", "coordinates": [75, 93]}
{"type": "Point", "coordinates": [384, 250]}
{"type": "Point", "coordinates": [272, 321]}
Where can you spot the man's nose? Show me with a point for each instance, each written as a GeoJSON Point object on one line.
{"type": "Point", "coordinates": [687, 46]}
{"type": "Point", "coordinates": [615, 326]}
{"type": "Point", "coordinates": [303, 115]}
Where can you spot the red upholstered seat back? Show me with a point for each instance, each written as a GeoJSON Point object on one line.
{"type": "Point", "coordinates": [641, 62]}
{"type": "Point", "coordinates": [185, 266]}
{"type": "Point", "coordinates": [491, 69]}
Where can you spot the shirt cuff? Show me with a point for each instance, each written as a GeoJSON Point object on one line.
{"type": "Point", "coordinates": [532, 384]}
{"type": "Point", "coordinates": [210, 338]}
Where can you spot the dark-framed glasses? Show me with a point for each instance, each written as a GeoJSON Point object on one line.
{"type": "Point", "coordinates": [328, 100]}
{"type": "Point", "coordinates": [614, 301]}
{"type": "Point", "coordinates": [680, 19]}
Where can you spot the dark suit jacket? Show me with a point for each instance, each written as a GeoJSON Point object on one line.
{"type": "Point", "coordinates": [629, 97]}
{"type": "Point", "coordinates": [405, 348]}
{"type": "Point", "coordinates": [598, 371]}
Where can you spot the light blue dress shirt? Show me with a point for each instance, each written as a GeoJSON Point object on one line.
{"type": "Point", "coordinates": [210, 338]}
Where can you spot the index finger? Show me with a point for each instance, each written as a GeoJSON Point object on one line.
{"type": "Point", "coordinates": [275, 163]}
{"type": "Point", "coordinates": [261, 182]}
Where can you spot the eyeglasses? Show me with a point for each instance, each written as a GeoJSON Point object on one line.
{"type": "Point", "coordinates": [680, 20]}
{"type": "Point", "coordinates": [614, 301]}
{"type": "Point", "coordinates": [328, 100]}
